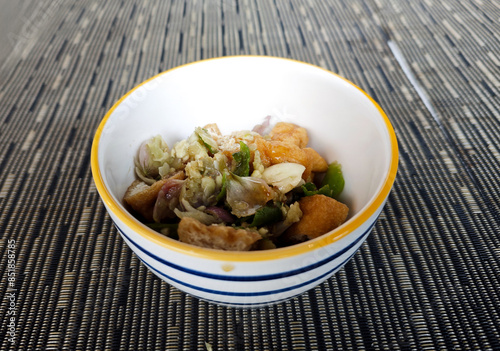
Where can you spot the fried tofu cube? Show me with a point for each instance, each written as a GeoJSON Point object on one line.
{"type": "Point", "coordinates": [288, 144]}
{"type": "Point", "coordinates": [320, 214]}
{"type": "Point", "coordinates": [317, 163]}
{"type": "Point", "coordinates": [278, 152]}
{"type": "Point", "coordinates": [142, 197]}
{"type": "Point", "coordinates": [273, 152]}
{"type": "Point", "coordinates": [289, 133]}
{"type": "Point", "coordinates": [220, 237]}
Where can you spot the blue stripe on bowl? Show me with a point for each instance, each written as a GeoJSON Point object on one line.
{"type": "Point", "coordinates": [247, 294]}
{"type": "Point", "coordinates": [260, 293]}
{"type": "Point", "coordinates": [248, 278]}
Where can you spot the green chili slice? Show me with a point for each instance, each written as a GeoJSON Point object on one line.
{"type": "Point", "coordinates": [242, 159]}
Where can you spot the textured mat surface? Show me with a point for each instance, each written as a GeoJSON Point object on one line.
{"type": "Point", "coordinates": [427, 277]}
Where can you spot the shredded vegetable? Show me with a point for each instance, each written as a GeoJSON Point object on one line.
{"type": "Point", "coordinates": [240, 191]}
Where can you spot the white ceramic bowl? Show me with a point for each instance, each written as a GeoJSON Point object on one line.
{"type": "Point", "coordinates": [343, 122]}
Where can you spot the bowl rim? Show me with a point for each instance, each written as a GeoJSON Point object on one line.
{"type": "Point", "coordinates": [154, 237]}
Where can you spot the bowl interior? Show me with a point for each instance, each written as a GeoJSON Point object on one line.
{"type": "Point", "coordinates": [343, 123]}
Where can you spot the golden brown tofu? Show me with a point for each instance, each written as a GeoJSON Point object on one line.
{"type": "Point", "coordinates": [289, 133]}
{"type": "Point", "coordinates": [287, 144]}
{"type": "Point", "coordinates": [318, 163]}
{"type": "Point", "coordinates": [142, 197]}
{"type": "Point", "coordinates": [192, 231]}
{"type": "Point", "coordinates": [273, 152]}
{"type": "Point", "coordinates": [320, 214]}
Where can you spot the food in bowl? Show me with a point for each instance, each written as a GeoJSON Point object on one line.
{"type": "Point", "coordinates": [343, 124]}
{"type": "Point", "coordinates": [248, 190]}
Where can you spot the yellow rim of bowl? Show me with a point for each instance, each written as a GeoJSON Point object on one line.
{"type": "Point", "coordinates": [247, 256]}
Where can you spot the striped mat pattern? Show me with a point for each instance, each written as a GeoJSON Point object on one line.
{"type": "Point", "coordinates": [427, 277]}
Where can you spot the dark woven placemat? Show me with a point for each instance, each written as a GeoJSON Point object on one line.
{"type": "Point", "coordinates": [427, 277]}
